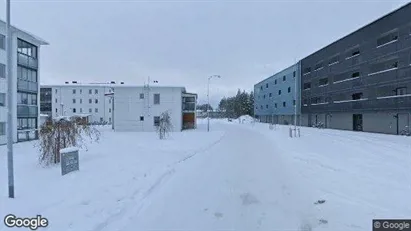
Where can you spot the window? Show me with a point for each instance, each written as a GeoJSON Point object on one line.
{"type": "Point", "coordinates": [81, 91]}
{"type": "Point", "coordinates": [284, 104]}
{"type": "Point", "coordinates": [318, 66]}
{"type": "Point", "coordinates": [266, 85]}
{"type": "Point", "coordinates": [353, 53]}
{"type": "Point", "coordinates": [401, 91]}
{"type": "Point", "coordinates": [383, 66]}
{"type": "Point", "coordinates": [279, 92]}
{"type": "Point", "coordinates": [355, 74]}
{"type": "Point", "coordinates": [81, 101]}
{"type": "Point", "coordinates": [95, 91]}
{"type": "Point", "coordinates": [109, 110]}
{"type": "Point", "coordinates": [275, 81]}
{"type": "Point", "coordinates": [294, 74]}
{"type": "Point", "coordinates": [275, 105]}
{"type": "Point", "coordinates": [56, 100]}
{"type": "Point", "coordinates": [96, 100]}
{"type": "Point", "coordinates": [2, 42]}
{"type": "Point", "coordinates": [2, 128]}
{"type": "Point", "coordinates": [141, 95]}
{"type": "Point", "coordinates": [90, 110]}
{"type": "Point", "coordinates": [26, 49]}
{"type": "Point", "coordinates": [74, 100]}
{"type": "Point", "coordinates": [156, 98]}
{"type": "Point", "coordinates": [323, 81]}
{"type": "Point", "coordinates": [261, 87]}
{"type": "Point", "coordinates": [307, 86]}
{"type": "Point", "coordinates": [2, 70]}
{"type": "Point", "coordinates": [261, 106]}
{"type": "Point", "coordinates": [284, 78]}
{"type": "Point", "coordinates": [293, 102]}
{"type": "Point", "coordinates": [333, 60]}
{"type": "Point", "coordinates": [81, 110]}
{"type": "Point", "coordinates": [289, 89]}
{"type": "Point", "coordinates": [90, 101]}
{"type": "Point", "coordinates": [74, 110]}
{"type": "Point", "coordinates": [90, 91]}
{"type": "Point", "coordinates": [96, 110]}
{"type": "Point", "coordinates": [74, 91]}
{"type": "Point", "coordinates": [2, 99]}
{"type": "Point", "coordinates": [156, 120]}
{"type": "Point", "coordinates": [356, 96]}
{"type": "Point", "coordinates": [56, 91]}
{"type": "Point", "coordinates": [270, 95]}
{"type": "Point", "coordinates": [387, 38]}
{"type": "Point", "coordinates": [307, 70]}
{"type": "Point", "coordinates": [56, 110]}
{"type": "Point", "coordinates": [264, 96]}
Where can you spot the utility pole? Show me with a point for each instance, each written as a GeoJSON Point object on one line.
{"type": "Point", "coordinates": [10, 128]}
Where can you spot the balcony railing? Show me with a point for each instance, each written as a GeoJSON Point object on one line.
{"type": "Point", "coordinates": [27, 61]}
{"type": "Point", "coordinates": [27, 111]}
{"type": "Point", "coordinates": [27, 86]}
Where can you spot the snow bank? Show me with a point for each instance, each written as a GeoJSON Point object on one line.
{"type": "Point", "coordinates": [245, 119]}
{"type": "Point", "coordinates": [118, 170]}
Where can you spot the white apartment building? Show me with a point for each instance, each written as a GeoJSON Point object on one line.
{"type": "Point", "coordinates": [74, 99]}
{"type": "Point", "coordinates": [138, 108]}
{"type": "Point", "coordinates": [25, 71]}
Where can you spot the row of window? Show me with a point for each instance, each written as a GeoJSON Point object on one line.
{"type": "Point", "coordinates": [275, 105]}
{"type": "Point", "coordinates": [279, 93]}
{"type": "Point", "coordinates": [156, 98]}
{"type": "Point", "coordinates": [383, 40]}
{"type": "Point", "coordinates": [26, 123]}
{"type": "Point", "coordinates": [26, 74]}
{"type": "Point", "coordinates": [275, 81]}
{"type": "Point", "coordinates": [26, 48]}
{"type": "Point", "coordinates": [156, 120]}
{"type": "Point", "coordinates": [26, 98]}
{"type": "Point", "coordinates": [90, 101]}
{"type": "Point", "coordinates": [90, 110]}
{"type": "Point", "coordinates": [354, 96]}
{"type": "Point", "coordinates": [90, 91]}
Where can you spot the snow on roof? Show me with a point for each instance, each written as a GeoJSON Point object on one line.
{"type": "Point", "coordinates": [32, 36]}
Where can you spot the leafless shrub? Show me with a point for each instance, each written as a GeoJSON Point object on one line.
{"type": "Point", "coordinates": [56, 134]}
{"type": "Point", "coordinates": [165, 125]}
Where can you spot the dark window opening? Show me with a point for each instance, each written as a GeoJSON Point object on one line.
{"type": "Point", "coordinates": [266, 85]}
{"type": "Point", "coordinates": [270, 95]}
{"type": "Point", "coordinates": [264, 96]}
{"type": "Point", "coordinates": [156, 120]}
{"type": "Point", "coordinates": [284, 104]}
{"type": "Point", "coordinates": [401, 91]}
{"type": "Point", "coordinates": [356, 96]}
{"type": "Point", "coordinates": [275, 81]}
{"type": "Point", "coordinates": [333, 60]}
{"type": "Point", "coordinates": [74, 110]}
{"type": "Point", "coordinates": [279, 92]}
{"type": "Point", "coordinates": [141, 95]}
{"type": "Point", "coordinates": [261, 88]}
{"type": "Point", "coordinates": [294, 74]}
{"type": "Point", "coordinates": [387, 39]}
{"type": "Point", "coordinates": [284, 78]}
{"type": "Point", "coordinates": [355, 74]}
{"type": "Point", "coordinates": [323, 81]}
{"type": "Point", "coordinates": [307, 70]}
{"type": "Point", "coordinates": [294, 102]}
{"type": "Point", "coordinates": [266, 106]}
{"type": "Point", "coordinates": [318, 66]}
{"type": "Point", "coordinates": [307, 86]}
{"type": "Point", "coordinates": [275, 105]}
{"type": "Point", "coordinates": [141, 118]}
{"type": "Point", "coordinates": [289, 89]}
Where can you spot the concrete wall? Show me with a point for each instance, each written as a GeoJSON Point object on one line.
{"type": "Point", "coordinates": [129, 107]}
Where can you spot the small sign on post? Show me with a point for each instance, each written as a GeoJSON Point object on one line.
{"type": "Point", "coordinates": [69, 160]}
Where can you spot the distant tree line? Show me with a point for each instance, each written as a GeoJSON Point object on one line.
{"type": "Point", "coordinates": [238, 105]}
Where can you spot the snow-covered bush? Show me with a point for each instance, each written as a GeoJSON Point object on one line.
{"type": "Point", "coordinates": [56, 134]}
{"type": "Point", "coordinates": [165, 125]}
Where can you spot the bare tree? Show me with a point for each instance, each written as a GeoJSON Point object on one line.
{"type": "Point", "coordinates": [165, 125]}
{"type": "Point", "coordinates": [56, 134]}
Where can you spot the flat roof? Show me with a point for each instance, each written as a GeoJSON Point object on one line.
{"type": "Point", "coordinates": [32, 36]}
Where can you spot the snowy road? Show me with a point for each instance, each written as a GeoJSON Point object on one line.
{"type": "Point", "coordinates": [241, 183]}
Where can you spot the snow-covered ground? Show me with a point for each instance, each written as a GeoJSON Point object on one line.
{"type": "Point", "coordinates": [240, 176]}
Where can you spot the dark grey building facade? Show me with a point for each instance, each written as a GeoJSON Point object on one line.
{"type": "Point", "coordinates": [363, 81]}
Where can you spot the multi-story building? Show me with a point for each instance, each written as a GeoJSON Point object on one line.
{"type": "Point", "coordinates": [276, 99]}
{"type": "Point", "coordinates": [138, 108]}
{"type": "Point", "coordinates": [362, 81]}
{"type": "Point", "coordinates": [25, 72]}
{"type": "Point", "coordinates": [75, 99]}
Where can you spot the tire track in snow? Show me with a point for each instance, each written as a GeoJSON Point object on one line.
{"type": "Point", "coordinates": [143, 201]}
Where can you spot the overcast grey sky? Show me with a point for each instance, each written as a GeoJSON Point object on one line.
{"type": "Point", "coordinates": [184, 42]}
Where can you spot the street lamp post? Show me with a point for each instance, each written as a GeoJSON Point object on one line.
{"type": "Point", "coordinates": [10, 127]}
{"type": "Point", "coordinates": [208, 100]}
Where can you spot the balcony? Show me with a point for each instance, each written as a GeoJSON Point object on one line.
{"type": "Point", "coordinates": [27, 61]}
{"type": "Point", "coordinates": [23, 85]}
{"type": "Point", "coordinates": [189, 107]}
{"type": "Point", "coordinates": [27, 111]}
